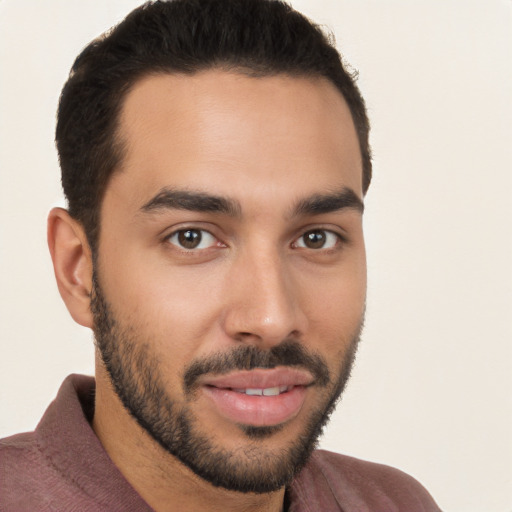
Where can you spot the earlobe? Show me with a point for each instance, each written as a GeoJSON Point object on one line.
{"type": "Point", "coordinates": [72, 264]}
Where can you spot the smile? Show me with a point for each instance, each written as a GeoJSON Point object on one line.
{"type": "Point", "coordinates": [258, 397]}
{"type": "Point", "coordinates": [277, 390]}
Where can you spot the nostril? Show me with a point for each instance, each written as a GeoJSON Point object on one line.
{"type": "Point", "coordinates": [244, 336]}
{"type": "Point", "coordinates": [294, 335]}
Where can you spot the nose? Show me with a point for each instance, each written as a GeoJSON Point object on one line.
{"type": "Point", "coordinates": [264, 305]}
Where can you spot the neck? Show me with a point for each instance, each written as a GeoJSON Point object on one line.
{"type": "Point", "coordinates": [159, 478]}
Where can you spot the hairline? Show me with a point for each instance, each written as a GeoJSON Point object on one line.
{"type": "Point", "coordinates": [119, 143]}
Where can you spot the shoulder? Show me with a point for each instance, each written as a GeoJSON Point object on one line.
{"type": "Point", "coordinates": [354, 484]}
{"type": "Point", "coordinates": [18, 448]}
{"type": "Point", "coordinates": [22, 468]}
{"type": "Point", "coordinates": [20, 451]}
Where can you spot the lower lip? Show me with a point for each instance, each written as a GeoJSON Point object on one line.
{"type": "Point", "coordinates": [257, 411]}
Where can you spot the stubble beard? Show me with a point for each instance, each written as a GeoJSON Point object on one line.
{"type": "Point", "coordinates": [135, 377]}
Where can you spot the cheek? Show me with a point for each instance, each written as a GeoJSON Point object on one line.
{"type": "Point", "coordinates": [340, 289]}
{"type": "Point", "coordinates": [173, 308]}
{"type": "Point", "coordinates": [336, 309]}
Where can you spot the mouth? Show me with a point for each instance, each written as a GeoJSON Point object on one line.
{"type": "Point", "coordinates": [258, 397]}
{"type": "Point", "coordinates": [276, 390]}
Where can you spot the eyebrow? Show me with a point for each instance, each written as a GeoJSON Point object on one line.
{"type": "Point", "coordinates": [193, 201]}
{"type": "Point", "coordinates": [317, 204]}
{"type": "Point", "coordinates": [328, 203]}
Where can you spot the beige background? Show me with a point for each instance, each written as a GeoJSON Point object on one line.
{"type": "Point", "coordinates": [431, 393]}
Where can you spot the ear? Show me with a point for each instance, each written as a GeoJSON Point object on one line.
{"type": "Point", "coordinates": [72, 264]}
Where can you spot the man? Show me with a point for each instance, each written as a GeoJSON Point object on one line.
{"type": "Point", "coordinates": [215, 157]}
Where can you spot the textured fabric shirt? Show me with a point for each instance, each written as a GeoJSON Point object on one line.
{"type": "Point", "coordinates": [62, 466]}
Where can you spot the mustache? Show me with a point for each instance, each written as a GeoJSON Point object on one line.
{"type": "Point", "coordinates": [248, 357]}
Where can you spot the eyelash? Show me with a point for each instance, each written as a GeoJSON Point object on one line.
{"type": "Point", "coordinates": [197, 235]}
{"type": "Point", "coordinates": [329, 237]}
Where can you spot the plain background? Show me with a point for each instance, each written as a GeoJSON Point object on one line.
{"type": "Point", "coordinates": [431, 391]}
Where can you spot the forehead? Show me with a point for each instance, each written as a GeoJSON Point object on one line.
{"type": "Point", "coordinates": [230, 134]}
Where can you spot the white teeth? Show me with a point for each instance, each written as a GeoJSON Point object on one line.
{"type": "Point", "coordinates": [251, 392]}
{"type": "Point", "coordinates": [263, 392]}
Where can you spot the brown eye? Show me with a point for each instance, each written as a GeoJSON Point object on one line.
{"type": "Point", "coordinates": [314, 239]}
{"type": "Point", "coordinates": [192, 239]}
{"type": "Point", "coordinates": [318, 239]}
{"type": "Point", "coordinates": [189, 239]}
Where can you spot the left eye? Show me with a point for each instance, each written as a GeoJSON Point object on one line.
{"type": "Point", "coordinates": [318, 239]}
{"type": "Point", "coordinates": [192, 239]}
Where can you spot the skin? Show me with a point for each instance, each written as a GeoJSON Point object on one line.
{"type": "Point", "coordinates": [265, 144]}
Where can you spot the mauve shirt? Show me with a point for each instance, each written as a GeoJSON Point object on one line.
{"type": "Point", "coordinates": [62, 466]}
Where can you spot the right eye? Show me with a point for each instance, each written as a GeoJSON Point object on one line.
{"type": "Point", "coordinates": [318, 239]}
{"type": "Point", "coordinates": [192, 239]}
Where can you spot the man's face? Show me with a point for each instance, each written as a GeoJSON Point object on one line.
{"type": "Point", "coordinates": [230, 277]}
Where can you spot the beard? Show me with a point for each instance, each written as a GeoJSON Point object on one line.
{"type": "Point", "coordinates": [134, 371]}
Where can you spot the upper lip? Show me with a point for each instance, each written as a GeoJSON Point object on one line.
{"type": "Point", "coordinates": [260, 378]}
